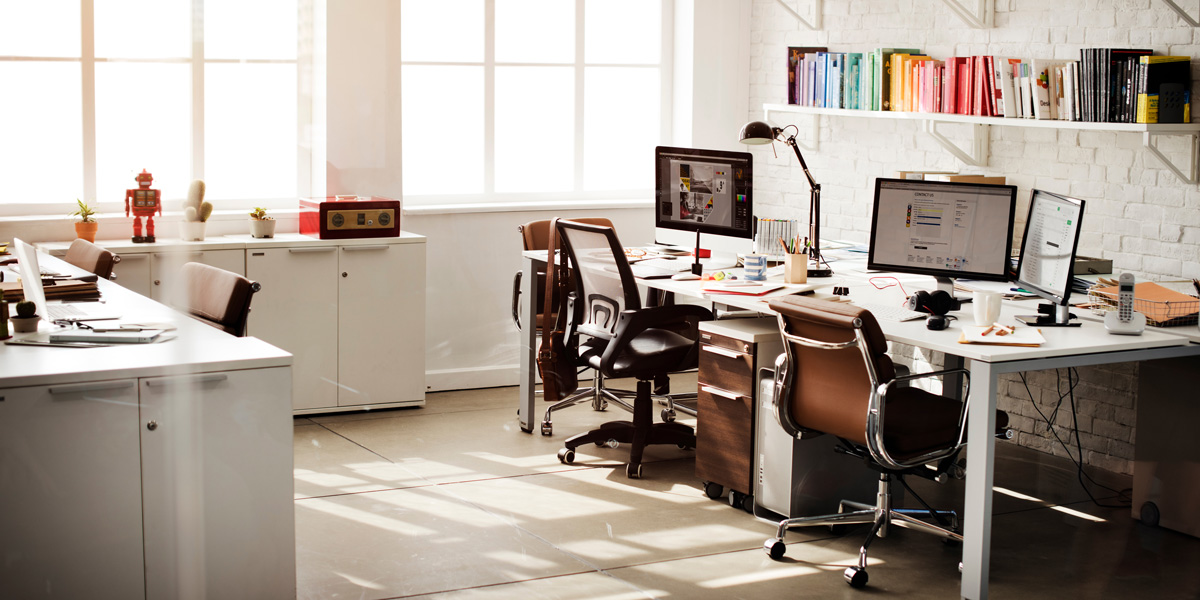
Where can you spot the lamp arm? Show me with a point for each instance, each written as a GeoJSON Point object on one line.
{"type": "Point", "coordinates": [814, 207]}
{"type": "Point", "coordinates": [791, 141]}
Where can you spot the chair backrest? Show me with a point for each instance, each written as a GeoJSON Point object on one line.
{"type": "Point", "coordinates": [604, 283]}
{"type": "Point", "coordinates": [536, 234]}
{"type": "Point", "coordinates": [836, 355]}
{"type": "Point", "coordinates": [91, 258]}
{"type": "Point", "coordinates": [218, 297]}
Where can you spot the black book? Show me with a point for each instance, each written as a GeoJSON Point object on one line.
{"type": "Point", "coordinates": [1167, 88]}
{"type": "Point", "coordinates": [1116, 60]}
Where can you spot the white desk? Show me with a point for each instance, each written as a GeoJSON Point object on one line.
{"type": "Point", "coordinates": [147, 471]}
{"type": "Point", "coordinates": [1088, 344]}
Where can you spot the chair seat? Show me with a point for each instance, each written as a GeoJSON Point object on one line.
{"type": "Point", "coordinates": [920, 422]}
{"type": "Point", "coordinates": [652, 352]}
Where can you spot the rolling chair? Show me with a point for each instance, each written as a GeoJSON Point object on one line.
{"type": "Point", "coordinates": [625, 339]}
{"type": "Point", "coordinates": [835, 378]}
{"type": "Point", "coordinates": [92, 258]}
{"type": "Point", "coordinates": [218, 297]}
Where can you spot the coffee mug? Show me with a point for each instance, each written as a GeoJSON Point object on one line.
{"type": "Point", "coordinates": [986, 307]}
{"type": "Point", "coordinates": [755, 267]}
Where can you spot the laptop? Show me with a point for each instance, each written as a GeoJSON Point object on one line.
{"type": "Point", "coordinates": [31, 285]}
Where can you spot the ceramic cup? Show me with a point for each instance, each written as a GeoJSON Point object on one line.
{"type": "Point", "coordinates": [986, 307]}
{"type": "Point", "coordinates": [755, 266]}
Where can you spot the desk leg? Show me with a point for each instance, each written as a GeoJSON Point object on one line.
{"type": "Point", "coordinates": [981, 454]}
{"type": "Point", "coordinates": [529, 325]}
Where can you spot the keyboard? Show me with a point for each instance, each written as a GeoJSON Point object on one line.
{"type": "Point", "coordinates": [884, 312]}
{"type": "Point", "coordinates": [64, 311]}
{"type": "Point", "coordinates": [677, 265]}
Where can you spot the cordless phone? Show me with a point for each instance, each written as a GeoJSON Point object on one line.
{"type": "Point", "coordinates": [1124, 321]}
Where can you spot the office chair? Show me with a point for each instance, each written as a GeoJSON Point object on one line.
{"type": "Point", "coordinates": [625, 339]}
{"type": "Point", "coordinates": [218, 297]}
{"type": "Point", "coordinates": [835, 378]}
{"type": "Point", "coordinates": [92, 258]}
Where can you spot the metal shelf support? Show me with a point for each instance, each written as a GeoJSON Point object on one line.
{"type": "Point", "coordinates": [976, 156]}
{"type": "Point", "coordinates": [981, 17]}
{"type": "Point", "coordinates": [814, 133]}
{"type": "Point", "coordinates": [815, 25]}
{"type": "Point", "coordinates": [1183, 14]}
{"type": "Point", "coordinates": [1190, 178]}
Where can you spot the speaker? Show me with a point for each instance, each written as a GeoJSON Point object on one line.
{"type": "Point", "coordinates": [937, 302]}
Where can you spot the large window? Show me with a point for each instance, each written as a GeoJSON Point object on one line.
{"type": "Point", "coordinates": [532, 100]}
{"type": "Point", "coordinates": [94, 91]}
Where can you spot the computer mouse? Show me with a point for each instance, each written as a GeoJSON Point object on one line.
{"type": "Point", "coordinates": [936, 322]}
{"type": "Point", "coordinates": [685, 276]}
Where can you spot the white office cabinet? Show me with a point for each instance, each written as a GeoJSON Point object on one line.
{"type": "Point", "coordinates": [165, 267]}
{"type": "Point", "coordinates": [297, 310]}
{"type": "Point", "coordinates": [133, 272]}
{"type": "Point", "coordinates": [217, 448]}
{"type": "Point", "coordinates": [70, 453]}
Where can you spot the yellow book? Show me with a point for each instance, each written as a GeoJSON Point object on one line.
{"type": "Point", "coordinates": [896, 79]}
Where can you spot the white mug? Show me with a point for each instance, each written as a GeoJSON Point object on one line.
{"type": "Point", "coordinates": [986, 307]}
{"type": "Point", "coordinates": [755, 266]}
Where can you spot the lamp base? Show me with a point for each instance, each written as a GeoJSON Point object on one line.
{"type": "Point", "coordinates": [820, 272]}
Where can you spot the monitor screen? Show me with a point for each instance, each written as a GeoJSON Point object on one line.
{"type": "Point", "coordinates": [706, 191]}
{"type": "Point", "coordinates": [1048, 246]}
{"type": "Point", "coordinates": [942, 229]}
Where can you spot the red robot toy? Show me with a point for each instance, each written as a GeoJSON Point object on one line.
{"type": "Point", "coordinates": [143, 202]}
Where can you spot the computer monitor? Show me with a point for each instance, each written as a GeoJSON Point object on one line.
{"type": "Point", "coordinates": [705, 192]}
{"type": "Point", "coordinates": [1046, 264]}
{"type": "Point", "coordinates": [947, 230]}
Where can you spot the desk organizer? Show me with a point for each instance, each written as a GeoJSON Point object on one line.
{"type": "Point", "coordinates": [1159, 313]}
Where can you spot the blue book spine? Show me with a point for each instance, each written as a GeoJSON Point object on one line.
{"type": "Point", "coordinates": [822, 67]}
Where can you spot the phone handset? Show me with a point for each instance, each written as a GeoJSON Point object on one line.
{"type": "Point", "coordinates": [1124, 321]}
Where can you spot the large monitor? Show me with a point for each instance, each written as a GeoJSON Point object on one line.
{"type": "Point", "coordinates": [705, 192]}
{"type": "Point", "coordinates": [1047, 261]}
{"type": "Point", "coordinates": [948, 230]}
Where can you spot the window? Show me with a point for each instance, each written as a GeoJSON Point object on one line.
{"type": "Point", "coordinates": [186, 89]}
{"type": "Point", "coordinates": [532, 100]}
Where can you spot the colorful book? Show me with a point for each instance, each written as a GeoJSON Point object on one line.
{"type": "Point", "coordinates": [881, 91]}
{"type": "Point", "coordinates": [1164, 95]}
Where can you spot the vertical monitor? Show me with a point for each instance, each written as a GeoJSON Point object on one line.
{"type": "Point", "coordinates": [947, 230]}
{"type": "Point", "coordinates": [1049, 244]}
{"type": "Point", "coordinates": [704, 191]}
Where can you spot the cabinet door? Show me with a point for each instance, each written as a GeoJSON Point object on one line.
{"type": "Point", "coordinates": [217, 485]}
{"type": "Point", "coordinates": [296, 310]}
{"type": "Point", "coordinates": [133, 272]}
{"type": "Point", "coordinates": [381, 324]}
{"type": "Point", "coordinates": [165, 266]}
{"type": "Point", "coordinates": [70, 492]}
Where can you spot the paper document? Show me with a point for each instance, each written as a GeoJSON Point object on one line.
{"type": "Point", "coordinates": [1001, 336]}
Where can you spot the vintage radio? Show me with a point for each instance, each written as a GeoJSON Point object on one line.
{"type": "Point", "coordinates": [342, 217]}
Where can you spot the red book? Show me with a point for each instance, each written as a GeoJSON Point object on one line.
{"type": "Point", "coordinates": [950, 89]}
{"type": "Point", "coordinates": [964, 86]}
{"type": "Point", "coordinates": [989, 86]}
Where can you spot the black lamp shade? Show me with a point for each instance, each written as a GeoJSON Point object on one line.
{"type": "Point", "coordinates": [756, 133]}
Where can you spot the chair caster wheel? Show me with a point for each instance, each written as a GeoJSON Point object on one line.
{"type": "Point", "coordinates": [856, 577]}
{"type": "Point", "coordinates": [775, 548]}
{"type": "Point", "coordinates": [633, 471]}
{"type": "Point", "coordinates": [713, 490]}
{"type": "Point", "coordinates": [547, 428]}
{"type": "Point", "coordinates": [742, 501]}
{"type": "Point", "coordinates": [748, 503]}
{"type": "Point", "coordinates": [566, 456]}
{"type": "Point", "coordinates": [601, 405]}
{"type": "Point", "coordinates": [668, 415]}
{"type": "Point", "coordinates": [1149, 514]}
{"type": "Point", "coordinates": [609, 443]}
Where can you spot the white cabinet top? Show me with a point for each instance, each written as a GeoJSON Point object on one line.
{"type": "Point", "coordinates": [232, 242]}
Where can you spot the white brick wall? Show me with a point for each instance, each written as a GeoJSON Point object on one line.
{"type": "Point", "coordinates": [1138, 214]}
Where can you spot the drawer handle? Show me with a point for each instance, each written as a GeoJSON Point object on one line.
{"type": "Point", "coordinates": [187, 380]}
{"type": "Point", "coordinates": [311, 250]}
{"type": "Point", "coordinates": [125, 257]}
{"type": "Point", "coordinates": [722, 351]}
{"type": "Point", "coordinates": [720, 392]}
{"type": "Point", "coordinates": [91, 387]}
{"type": "Point", "coordinates": [361, 248]}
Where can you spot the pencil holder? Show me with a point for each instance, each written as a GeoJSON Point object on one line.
{"type": "Point", "coordinates": [795, 268]}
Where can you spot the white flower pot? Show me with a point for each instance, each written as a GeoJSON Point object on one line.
{"type": "Point", "coordinates": [262, 229]}
{"type": "Point", "coordinates": [192, 231]}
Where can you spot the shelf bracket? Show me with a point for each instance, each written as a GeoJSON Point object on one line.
{"type": "Point", "coordinates": [815, 25]}
{"type": "Point", "coordinates": [977, 156]}
{"type": "Point", "coordinates": [979, 18]}
{"type": "Point", "coordinates": [1190, 178]}
{"type": "Point", "coordinates": [1183, 14]}
{"type": "Point", "coordinates": [815, 133]}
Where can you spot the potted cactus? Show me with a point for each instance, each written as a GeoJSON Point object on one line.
{"type": "Point", "coordinates": [261, 226]}
{"type": "Point", "coordinates": [26, 319]}
{"type": "Point", "coordinates": [195, 213]}
{"type": "Point", "coordinates": [86, 227]}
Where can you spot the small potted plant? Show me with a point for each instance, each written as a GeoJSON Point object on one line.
{"type": "Point", "coordinates": [261, 226]}
{"type": "Point", "coordinates": [86, 227]}
{"type": "Point", "coordinates": [26, 319]}
{"type": "Point", "coordinates": [195, 213]}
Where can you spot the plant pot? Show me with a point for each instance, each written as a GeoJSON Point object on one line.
{"type": "Point", "coordinates": [262, 229]}
{"type": "Point", "coordinates": [192, 231]}
{"type": "Point", "coordinates": [25, 324]}
{"type": "Point", "coordinates": [86, 231]}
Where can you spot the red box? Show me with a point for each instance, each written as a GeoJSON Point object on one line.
{"type": "Point", "coordinates": [344, 217]}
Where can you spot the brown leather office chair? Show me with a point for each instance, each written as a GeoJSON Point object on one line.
{"type": "Point", "coordinates": [835, 378]}
{"type": "Point", "coordinates": [218, 297]}
{"type": "Point", "coordinates": [622, 338]}
{"type": "Point", "coordinates": [91, 258]}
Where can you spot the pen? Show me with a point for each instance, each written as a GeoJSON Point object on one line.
{"type": "Point", "coordinates": [1020, 290]}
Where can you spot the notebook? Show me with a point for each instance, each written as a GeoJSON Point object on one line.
{"type": "Point", "coordinates": [31, 285]}
{"type": "Point", "coordinates": [144, 336]}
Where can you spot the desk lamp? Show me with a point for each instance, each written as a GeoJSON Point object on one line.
{"type": "Point", "coordinates": [757, 133]}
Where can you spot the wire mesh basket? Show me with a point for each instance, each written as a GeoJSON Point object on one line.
{"type": "Point", "coordinates": [1164, 313]}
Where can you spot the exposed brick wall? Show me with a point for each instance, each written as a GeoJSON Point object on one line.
{"type": "Point", "coordinates": [1139, 214]}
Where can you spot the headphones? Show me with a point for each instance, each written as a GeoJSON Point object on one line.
{"type": "Point", "coordinates": [937, 302]}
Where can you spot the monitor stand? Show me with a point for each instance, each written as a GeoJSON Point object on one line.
{"type": "Point", "coordinates": [946, 284]}
{"type": "Point", "coordinates": [707, 260]}
{"type": "Point", "coordinates": [1051, 315]}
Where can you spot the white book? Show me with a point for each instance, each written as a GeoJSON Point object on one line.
{"type": "Point", "coordinates": [1004, 83]}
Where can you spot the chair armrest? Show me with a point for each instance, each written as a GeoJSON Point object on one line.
{"type": "Point", "coordinates": [516, 299]}
{"type": "Point", "coordinates": [631, 323]}
{"type": "Point", "coordinates": [879, 402]}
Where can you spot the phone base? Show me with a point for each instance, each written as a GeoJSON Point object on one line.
{"type": "Point", "coordinates": [1134, 326]}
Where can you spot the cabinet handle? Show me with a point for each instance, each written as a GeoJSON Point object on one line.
{"type": "Point", "coordinates": [361, 248]}
{"type": "Point", "coordinates": [722, 351]}
{"type": "Point", "coordinates": [720, 392]}
{"type": "Point", "coordinates": [187, 380]}
{"type": "Point", "coordinates": [311, 250]}
{"type": "Point", "coordinates": [91, 387]}
{"type": "Point", "coordinates": [125, 257]}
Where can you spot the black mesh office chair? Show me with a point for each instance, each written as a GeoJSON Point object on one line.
{"type": "Point", "coordinates": [835, 378]}
{"type": "Point", "coordinates": [626, 339]}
